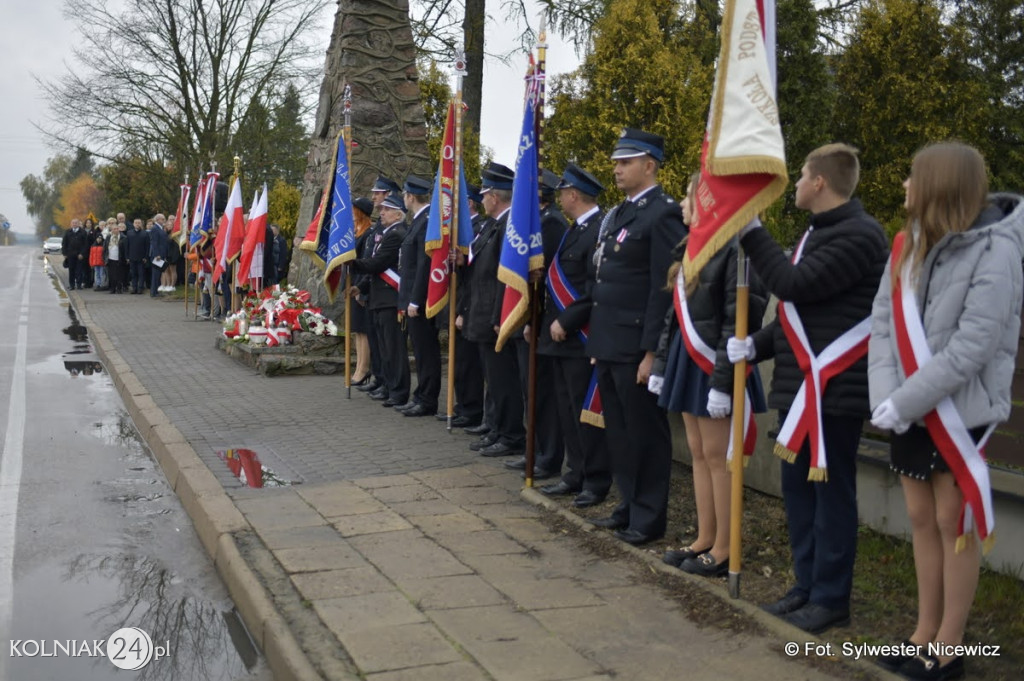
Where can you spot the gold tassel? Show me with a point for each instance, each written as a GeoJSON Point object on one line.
{"type": "Point", "coordinates": [817, 475]}
{"type": "Point", "coordinates": [989, 542]}
{"type": "Point", "coordinates": [589, 417]}
{"type": "Point", "coordinates": [961, 543]}
{"type": "Point", "coordinates": [784, 453]}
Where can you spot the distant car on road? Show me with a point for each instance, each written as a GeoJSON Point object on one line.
{"type": "Point", "coordinates": [52, 245]}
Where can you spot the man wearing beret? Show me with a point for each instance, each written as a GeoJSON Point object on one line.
{"type": "Point", "coordinates": [563, 335]}
{"type": "Point", "coordinates": [382, 286]}
{"type": "Point", "coordinates": [480, 319]}
{"type": "Point", "coordinates": [629, 303]}
{"type": "Point", "coordinates": [414, 268]}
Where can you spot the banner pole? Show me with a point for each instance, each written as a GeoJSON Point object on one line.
{"type": "Point", "coordinates": [739, 381]}
{"type": "Point", "coordinates": [535, 288]}
{"type": "Point", "coordinates": [347, 136]}
{"type": "Point", "coordinates": [184, 252]}
{"type": "Point", "coordinates": [453, 237]}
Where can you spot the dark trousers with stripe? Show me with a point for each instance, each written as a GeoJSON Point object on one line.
{"type": "Point", "coordinates": [640, 442]}
{"type": "Point", "coordinates": [394, 353]}
{"type": "Point", "coordinates": [469, 379]}
{"type": "Point", "coordinates": [822, 516]}
{"type": "Point", "coordinates": [427, 351]}
{"type": "Point", "coordinates": [502, 371]}
{"type": "Point", "coordinates": [549, 447]}
{"type": "Point", "coordinates": [586, 450]}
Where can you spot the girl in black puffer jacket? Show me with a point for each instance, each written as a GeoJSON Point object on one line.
{"type": "Point", "coordinates": [698, 381]}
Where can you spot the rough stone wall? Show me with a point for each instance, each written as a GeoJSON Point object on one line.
{"type": "Point", "coordinates": [372, 50]}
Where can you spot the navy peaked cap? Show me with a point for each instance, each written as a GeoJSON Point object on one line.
{"type": "Point", "coordinates": [385, 184]}
{"type": "Point", "coordinates": [393, 200]}
{"type": "Point", "coordinates": [633, 142]}
{"type": "Point", "coordinates": [577, 178]}
{"type": "Point", "coordinates": [473, 193]}
{"type": "Point", "coordinates": [416, 185]}
{"type": "Point", "coordinates": [496, 176]}
{"type": "Point", "coordinates": [548, 182]}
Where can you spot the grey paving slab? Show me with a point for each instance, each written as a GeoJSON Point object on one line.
{"type": "Point", "coordinates": [341, 583]}
{"type": "Point", "coordinates": [367, 611]}
{"type": "Point", "coordinates": [398, 647]}
{"type": "Point", "coordinates": [455, 671]}
{"type": "Point", "coordinates": [454, 591]}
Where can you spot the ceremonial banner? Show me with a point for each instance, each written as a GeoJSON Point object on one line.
{"type": "Point", "coordinates": [439, 223]}
{"type": "Point", "coordinates": [743, 161]}
{"type": "Point", "coordinates": [318, 236]}
{"type": "Point", "coordinates": [250, 264]}
{"type": "Point", "coordinates": [229, 232]}
{"type": "Point", "coordinates": [340, 224]}
{"type": "Point", "coordinates": [523, 250]}
{"type": "Point", "coordinates": [179, 230]}
{"type": "Point", "coordinates": [202, 212]}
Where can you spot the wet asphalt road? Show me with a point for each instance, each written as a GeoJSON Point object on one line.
{"type": "Point", "coordinates": [92, 539]}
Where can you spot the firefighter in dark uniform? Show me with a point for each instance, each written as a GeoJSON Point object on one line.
{"type": "Point", "coordinates": [414, 267]}
{"type": "Point", "coordinates": [549, 446]}
{"type": "Point", "coordinates": [480, 321]}
{"type": "Point", "coordinates": [381, 188]}
{"type": "Point", "coordinates": [382, 266]}
{"type": "Point", "coordinates": [562, 331]}
{"type": "Point", "coordinates": [630, 299]}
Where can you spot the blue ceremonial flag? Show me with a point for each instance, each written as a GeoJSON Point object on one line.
{"type": "Point", "coordinates": [523, 249]}
{"type": "Point", "coordinates": [331, 234]}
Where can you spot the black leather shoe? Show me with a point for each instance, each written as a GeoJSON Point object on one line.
{"type": "Point", "coordinates": [635, 538]}
{"type": "Point", "coordinates": [485, 441]}
{"type": "Point", "coordinates": [481, 429]}
{"type": "Point", "coordinates": [379, 394]}
{"type": "Point", "coordinates": [443, 417]}
{"type": "Point", "coordinates": [500, 449]}
{"type": "Point", "coordinates": [925, 666]}
{"type": "Point", "coordinates": [390, 403]}
{"type": "Point", "coordinates": [417, 410]}
{"type": "Point", "coordinates": [785, 605]}
{"type": "Point", "coordinates": [609, 523]}
{"type": "Point", "coordinates": [675, 558]}
{"type": "Point", "coordinates": [705, 566]}
{"type": "Point", "coordinates": [370, 387]}
{"type": "Point", "coordinates": [814, 618]}
{"type": "Point", "coordinates": [541, 474]}
{"type": "Point", "coordinates": [586, 499]}
{"type": "Point", "coordinates": [464, 422]}
{"type": "Point", "coordinates": [403, 407]}
{"type": "Point", "coordinates": [901, 654]}
{"type": "Point", "coordinates": [516, 464]}
{"type": "Point", "coordinates": [559, 489]}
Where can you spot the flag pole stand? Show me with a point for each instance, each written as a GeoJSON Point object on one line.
{"type": "Point", "coordinates": [739, 380]}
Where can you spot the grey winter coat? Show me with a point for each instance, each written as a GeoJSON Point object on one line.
{"type": "Point", "coordinates": [970, 291]}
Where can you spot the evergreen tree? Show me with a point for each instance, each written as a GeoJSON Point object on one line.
{"type": "Point", "coordinates": [642, 73]}
{"type": "Point", "coordinates": [904, 80]}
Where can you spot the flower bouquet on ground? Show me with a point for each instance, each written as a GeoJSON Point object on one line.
{"type": "Point", "coordinates": [279, 311]}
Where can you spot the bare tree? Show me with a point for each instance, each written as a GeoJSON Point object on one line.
{"type": "Point", "coordinates": [172, 78]}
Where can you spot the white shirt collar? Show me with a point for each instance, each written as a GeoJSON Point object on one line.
{"type": "Point", "coordinates": [634, 199]}
{"type": "Point", "coordinates": [586, 216]}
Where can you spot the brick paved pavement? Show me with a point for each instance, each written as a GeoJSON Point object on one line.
{"type": "Point", "coordinates": [402, 555]}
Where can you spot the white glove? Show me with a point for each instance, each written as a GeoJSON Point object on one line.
{"type": "Point", "coordinates": [885, 417]}
{"type": "Point", "coordinates": [654, 383]}
{"type": "Point", "coordinates": [739, 350]}
{"type": "Point", "coordinates": [719, 404]}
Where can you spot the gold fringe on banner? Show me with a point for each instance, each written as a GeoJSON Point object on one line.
{"type": "Point", "coordinates": [784, 453]}
{"type": "Point", "coordinates": [589, 417]}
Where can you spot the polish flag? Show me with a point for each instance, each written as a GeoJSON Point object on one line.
{"type": "Point", "coordinates": [230, 231]}
{"type": "Point", "coordinates": [250, 264]}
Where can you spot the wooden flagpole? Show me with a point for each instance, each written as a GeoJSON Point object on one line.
{"type": "Point", "coordinates": [535, 286]}
{"type": "Point", "coordinates": [739, 384]}
{"type": "Point", "coordinates": [347, 136]}
{"type": "Point", "coordinates": [453, 234]}
{"type": "Point", "coordinates": [233, 272]}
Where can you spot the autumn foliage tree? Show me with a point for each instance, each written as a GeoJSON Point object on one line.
{"type": "Point", "coordinates": [78, 199]}
{"type": "Point", "coordinates": [641, 73]}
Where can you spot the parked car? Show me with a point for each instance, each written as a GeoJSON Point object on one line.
{"type": "Point", "coordinates": [52, 245]}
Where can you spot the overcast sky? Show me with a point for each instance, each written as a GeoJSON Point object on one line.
{"type": "Point", "coordinates": [36, 40]}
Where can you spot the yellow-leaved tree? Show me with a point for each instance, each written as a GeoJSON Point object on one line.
{"type": "Point", "coordinates": [78, 199]}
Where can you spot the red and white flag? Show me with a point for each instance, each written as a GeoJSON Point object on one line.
{"type": "Point", "coordinates": [179, 230]}
{"type": "Point", "coordinates": [250, 264]}
{"type": "Point", "coordinates": [743, 159]}
{"type": "Point", "coordinates": [231, 231]}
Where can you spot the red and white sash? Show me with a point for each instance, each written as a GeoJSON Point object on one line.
{"type": "Point", "coordinates": [965, 459]}
{"type": "Point", "coordinates": [391, 278]}
{"type": "Point", "coordinates": [804, 418]}
{"type": "Point", "coordinates": [703, 356]}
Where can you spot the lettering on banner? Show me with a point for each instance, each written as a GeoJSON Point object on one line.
{"type": "Point", "coordinates": [761, 98]}
{"type": "Point", "coordinates": [515, 241]}
{"type": "Point", "coordinates": [750, 37]}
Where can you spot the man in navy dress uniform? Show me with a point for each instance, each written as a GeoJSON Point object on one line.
{"type": "Point", "coordinates": [630, 300]}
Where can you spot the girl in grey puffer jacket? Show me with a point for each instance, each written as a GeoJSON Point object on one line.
{"type": "Point", "coordinates": [962, 259]}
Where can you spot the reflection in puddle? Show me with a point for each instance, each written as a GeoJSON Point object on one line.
{"type": "Point", "coordinates": [82, 368]}
{"type": "Point", "coordinates": [246, 466]}
{"type": "Point", "coordinates": [117, 429]}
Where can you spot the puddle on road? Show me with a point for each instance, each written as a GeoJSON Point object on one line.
{"type": "Point", "coordinates": [92, 595]}
{"type": "Point", "coordinates": [245, 464]}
